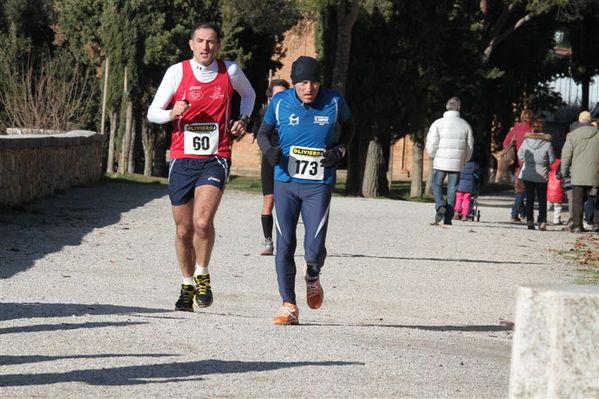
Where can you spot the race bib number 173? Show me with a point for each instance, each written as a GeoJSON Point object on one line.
{"type": "Point", "coordinates": [304, 163]}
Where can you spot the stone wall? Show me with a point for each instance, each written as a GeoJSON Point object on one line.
{"type": "Point", "coordinates": [34, 166]}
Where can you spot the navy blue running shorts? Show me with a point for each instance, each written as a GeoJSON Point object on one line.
{"type": "Point", "coordinates": [186, 174]}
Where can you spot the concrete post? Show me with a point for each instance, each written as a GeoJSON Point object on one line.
{"type": "Point", "coordinates": [555, 352]}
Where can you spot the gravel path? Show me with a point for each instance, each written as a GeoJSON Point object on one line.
{"type": "Point", "coordinates": [88, 281]}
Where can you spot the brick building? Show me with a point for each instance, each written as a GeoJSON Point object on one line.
{"type": "Point", "coordinates": [299, 40]}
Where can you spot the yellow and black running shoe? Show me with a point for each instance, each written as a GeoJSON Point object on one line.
{"type": "Point", "coordinates": [185, 301]}
{"type": "Point", "coordinates": [203, 294]}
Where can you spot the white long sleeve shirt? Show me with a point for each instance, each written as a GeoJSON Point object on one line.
{"type": "Point", "coordinates": [158, 112]}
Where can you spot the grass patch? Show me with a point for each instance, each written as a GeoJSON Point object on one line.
{"type": "Point", "coordinates": [586, 254]}
{"type": "Point", "coordinates": [134, 178]}
{"type": "Point", "coordinates": [245, 183]}
{"type": "Point", "coordinates": [400, 190]}
{"type": "Point", "coordinates": [494, 188]}
{"type": "Point", "coordinates": [242, 183]}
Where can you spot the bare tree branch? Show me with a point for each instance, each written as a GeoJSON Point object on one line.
{"type": "Point", "coordinates": [53, 94]}
{"type": "Point", "coordinates": [499, 34]}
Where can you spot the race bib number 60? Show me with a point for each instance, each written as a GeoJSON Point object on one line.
{"type": "Point", "coordinates": [304, 163]}
{"type": "Point", "coordinates": [201, 138]}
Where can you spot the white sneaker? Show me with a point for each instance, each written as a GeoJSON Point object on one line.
{"type": "Point", "coordinates": [587, 226]}
{"type": "Point", "coordinates": [267, 247]}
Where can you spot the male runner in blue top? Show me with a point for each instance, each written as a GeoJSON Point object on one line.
{"type": "Point", "coordinates": [306, 117]}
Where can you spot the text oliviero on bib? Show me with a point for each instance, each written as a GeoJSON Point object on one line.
{"type": "Point", "coordinates": [304, 163]}
{"type": "Point", "coordinates": [201, 138]}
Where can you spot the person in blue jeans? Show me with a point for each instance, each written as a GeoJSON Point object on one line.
{"type": "Point", "coordinates": [450, 143]}
{"type": "Point", "coordinates": [444, 207]}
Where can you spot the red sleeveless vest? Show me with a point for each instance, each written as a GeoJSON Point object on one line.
{"type": "Point", "coordinates": [202, 130]}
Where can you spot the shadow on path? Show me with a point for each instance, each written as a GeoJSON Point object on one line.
{"type": "Point", "coordinates": [65, 327]}
{"type": "Point", "coordinates": [10, 311]}
{"type": "Point", "coordinates": [482, 328]}
{"type": "Point", "coordinates": [503, 326]}
{"type": "Point", "coordinates": [25, 359]}
{"type": "Point", "coordinates": [46, 226]}
{"type": "Point", "coordinates": [155, 373]}
{"type": "Point", "coordinates": [507, 262]}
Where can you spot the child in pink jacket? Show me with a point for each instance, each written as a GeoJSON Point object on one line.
{"type": "Point", "coordinates": [555, 191]}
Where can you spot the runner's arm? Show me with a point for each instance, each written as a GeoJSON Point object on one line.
{"type": "Point", "coordinates": [273, 154]}
{"type": "Point", "coordinates": [242, 85]}
{"type": "Point", "coordinates": [333, 155]}
{"type": "Point", "coordinates": [265, 132]}
{"type": "Point", "coordinates": [158, 112]}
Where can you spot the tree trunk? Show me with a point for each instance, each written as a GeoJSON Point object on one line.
{"type": "Point", "coordinates": [346, 19]}
{"type": "Point", "coordinates": [417, 170]}
{"type": "Point", "coordinates": [131, 163]}
{"type": "Point", "coordinates": [374, 183]}
{"type": "Point", "coordinates": [160, 147]}
{"type": "Point", "coordinates": [428, 189]}
{"type": "Point", "coordinates": [148, 140]}
{"type": "Point", "coordinates": [124, 160]}
{"type": "Point", "coordinates": [110, 161]}
{"type": "Point", "coordinates": [105, 94]}
{"type": "Point", "coordinates": [354, 167]}
{"type": "Point", "coordinates": [390, 168]}
{"type": "Point", "coordinates": [584, 100]}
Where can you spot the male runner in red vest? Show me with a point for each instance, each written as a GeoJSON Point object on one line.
{"type": "Point", "coordinates": [195, 95]}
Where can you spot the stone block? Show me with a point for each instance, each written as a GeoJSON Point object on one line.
{"type": "Point", "coordinates": [555, 351]}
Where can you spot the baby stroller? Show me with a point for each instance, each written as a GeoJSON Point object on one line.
{"type": "Point", "coordinates": [474, 213]}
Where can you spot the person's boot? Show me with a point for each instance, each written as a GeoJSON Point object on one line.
{"type": "Point", "coordinates": [440, 215]}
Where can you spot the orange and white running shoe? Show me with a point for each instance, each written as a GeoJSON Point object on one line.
{"type": "Point", "coordinates": [288, 315]}
{"type": "Point", "coordinates": [314, 292]}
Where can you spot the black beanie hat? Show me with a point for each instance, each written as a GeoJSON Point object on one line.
{"type": "Point", "coordinates": [305, 68]}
